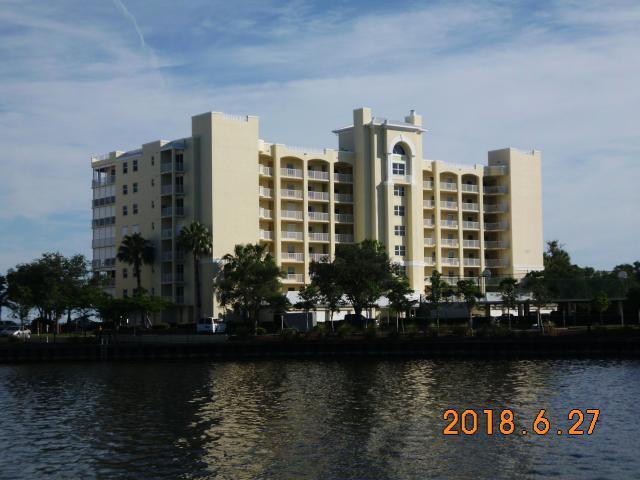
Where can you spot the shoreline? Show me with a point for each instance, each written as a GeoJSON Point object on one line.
{"type": "Point", "coordinates": [589, 346]}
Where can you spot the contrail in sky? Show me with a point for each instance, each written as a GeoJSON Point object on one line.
{"type": "Point", "coordinates": [125, 11]}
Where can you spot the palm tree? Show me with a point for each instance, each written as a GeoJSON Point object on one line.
{"type": "Point", "coordinates": [197, 239]}
{"type": "Point", "coordinates": [470, 294]}
{"type": "Point", "coordinates": [136, 250]}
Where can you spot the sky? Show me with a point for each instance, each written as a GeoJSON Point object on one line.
{"type": "Point", "coordinates": [88, 77]}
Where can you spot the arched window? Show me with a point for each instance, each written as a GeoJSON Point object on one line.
{"type": "Point", "coordinates": [398, 150]}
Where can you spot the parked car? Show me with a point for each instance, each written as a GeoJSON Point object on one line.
{"type": "Point", "coordinates": [210, 325]}
{"type": "Point", "coordinates": [15, 331]}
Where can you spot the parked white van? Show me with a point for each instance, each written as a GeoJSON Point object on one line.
{"type": "Point", "coordinates": [210, 325]}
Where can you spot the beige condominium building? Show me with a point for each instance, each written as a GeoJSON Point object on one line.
{"type": "Point", "coordinates": [302, 203]}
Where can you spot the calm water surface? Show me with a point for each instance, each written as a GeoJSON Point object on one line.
{"type": "Point", "coordinates": [366, 419]}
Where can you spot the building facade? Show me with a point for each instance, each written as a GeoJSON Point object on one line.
{"type": "Point", "coordinates": [302, 203]}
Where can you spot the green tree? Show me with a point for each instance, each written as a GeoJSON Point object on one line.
{"type": "Point", "coordinates": [508, 294]}
{"type": "Point", "coordinates": [248, 281]}
{"type": "Point", "coordinates": [398, 293]}
{"type": "Point", "coordinates": [309, 296]}
{"type": "Point", "coordinates": [135, 250]}
{"type": "Point", "coordinates": [364, 270]}
{"type": "Point", "coordinates": [197, 239]}
{"type": "Point", "coordinates": [600, 303]}
{"type": "Point", "coordinates": [438, 292]}
{"type": "Point", "coordinates": [536, 283]}
{"type": "Point", "coordinates": [325, 276]}
{"type": "Point", "coordinates": [470, 294]}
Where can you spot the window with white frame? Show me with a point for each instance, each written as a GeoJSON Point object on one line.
{"type": "Point", "coordinates": [398, 190]}
{"type": "Point", "coordinates": [398, 168]}
{"type": "Point", "coordinates": [399, 230]}
{"type": "Point", "coordinates": [398, 210]}
{"type": "Point", "coordinates": [400, 250]}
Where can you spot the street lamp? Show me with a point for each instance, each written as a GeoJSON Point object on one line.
{"type": "Point", "coordinates": [622, 276]}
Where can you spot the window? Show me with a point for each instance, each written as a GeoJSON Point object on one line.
{"type": "Point", "coordinates": [153, 182]}
{"type": "Point", "coordinates": [153, 226]}
{"type": "Point", "coordinates": [400, 250]}
{"type": "Point", "coordinates": [125, 167]}
{"type": "Point", "coordinates": [153, 204]}
{"type": "Point", "coordinates": [399, 230]}
{"type": "Point", "coordinates": [135, 208]}
{"type": "Point", "coordinates": [398, 210]}
{"type": "Point", "coordinates": [398, 150]}
{"type": "Point", "coordinates": [125, 292]}
{"type": "Point", "coordinates": [125, 273]}
{"type": "Point", "coordinates": [153, 160]}
{"type": "Point", "coordinates": [124, 211]}
{"type": "Point", "coordinates": [135, 187]}
{"type": "Point", "coordinates": [125, 189]}
{"type": "Point", "coordinates": [402, 270]}
{"type": "Point", "coordinates": [398, 190]}
{"type": "Point", "coordinates": [291, 270]}
{"type": "Point", "coordinates": [125, 230]}
{"type": "Point", "coordinates": [135, 165]}
{"type": "Point", "coordinates": [398, 168]}
{"type": "Point", "coordinates": [135, 228]}
{"type": "Point", "coordinates": [452, 254]}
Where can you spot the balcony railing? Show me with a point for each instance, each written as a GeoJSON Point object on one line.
{"type": "Point", "coordinates": [288, 193]}
{"type": "Point", "coordinates": [167, 256]}
{"type": "Point", "coordinates": [266, 234]}
{"type": "Point", "coordinates": [492, 244]}
{"type": "Point", "coordinates": [102, 182]}
{"type": "Point", "coordinates": [318, 236]}
{"type": "Point", "coordinates": [450, 242]}
{"type": "Point", "coordinates": [166, 167]}
{"type": "Point", "coordinates": [495, 208]}
{"type": "Point", "coordinates": [469, 225]}
{"type": "Point", "coordinates": [492, 227]}
{"type": "Point", "coordinates": [292, 214]}
{"type": "Point", "coordinates": [470, 188]}
{"type": "Point", "coordinates": [448, 186]}
{"type": "Point", "coordinates": [471, 243]}
{"type": "Point", "coordinates": [427, 222]}
{"type": "Point", "coordinates": [453, 281]}
{"type": "Point", "coordinates": [449, 205]}
{"type": "Point", "coordinates": [291, 172]}
{"type": "Point", "coordinates": [313, 195]}
{"type": "Point", "coordinates": [495, 170]}
{"type": "Point", "coordinates": [167, 277]}
{"type": "Point", "coordinates": [449, 224]}
{"type": "Point", "coordinates": [265, 192]}
{"type": "Point", "coordinates": [317, 257]}
{"type": "Point", "coordinates": [264, 170]}
{"type": "Point", "coordinates": [470, 207]}
{"type": "Point", "coordinates": [344, 238]}
{"type": "Point", "coordinates": [166, 233]}
{"type": "Point", "coordinates": [429, 242]}
{"type": "Point", "coordinates": [344, 218]}
{"type": "Point", "coordinates": [428, 203]}
{"type": "Point", "coordinates": [451, 261]}
{"type": "Point", "coordinates": [319, 216]}
{"type": "Point", "coordinates": [496, 262]}
{"type": "Point", "coordinates": [103, 263]}
{"type": "Point", "coordinates": [427, 184]}
{"type": "Point", "coordinates": [429, 262]}
{"type": "Point", "coordinates": [317, 175]}
{"type": "Point", "coordinates": [289, 235]}
{"type": "Point", "coordinates": [179, 211]}
{"type": "Point", "coordinates": [471, 262]}
{"type": "Point", "coordinates": [295, 277]}
{"type": "Point", "coordinates": [344, 197]}
{"type": "Point", "coordinates": [293, 256]}
{"type": "Point", "coordinates": [265, 213]}
{"type": "Point", "coordinates": [103, 242]}
{"type": "Point", "coordinates": [166, 211]}
{"type": "Point", "coordinates": [495, 190]}
{"type": "Point", "coordinates": [343, 177]}
{"type": "Point", "coordinates": [166, 189]}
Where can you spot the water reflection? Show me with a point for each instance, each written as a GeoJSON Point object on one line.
{"type": "Point", "coordinates": [310, 419]}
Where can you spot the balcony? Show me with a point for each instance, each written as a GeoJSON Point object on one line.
{"type": "Point", "coordinates": [344, 218]}
{"type": "Point", "coordinates": [344, 198]}
{"type": "Point", "coordinates": [402, 178]}
{"type": "Point", "coordinates": [449, 205]}
{"type": "Point", "coordinates": [451, 261]}
{"type": "Point", "coordinates": [265, 192]}
{"type": "Point", "coordinates": [179, 277]}
{"type": "Point", "coordinates": [179, 167]}
{"type": "Point", "coordinates": [494, 227]}
{"type": "Point", "coordinates": [429, 242]}
{"type": "Point", "coordinates": [470, 207]}
{"type": "Point", "coordinates": [318, 257]}
{"type": "Point", "coordinates": [449, 224]}
{"type": "Point", "coordinates": [429, 262]}
{"type": "Point", "coordinates": [453, 281]}
{"type": "Point", "coordinates": [103, 242]}
{"type": "Point", "coordinates": [167, 256]}
{"type": "Point", "coordinates": [428, 222]}
{"type": "Point", "coordinates": [266, 234]}
{"type": "Point", "coordinates": [104, 181]}
{"type": "Point", "coordinates": [166, 234]}
{"type": "Point", "coordinates": [319, 216]}
{"type": "Point", "coordinates": [495, 190]}
{"type": "Point", "coordinates": [318, 175]}
{"type": "Point", "coordinates": [179, 211]}
{"type": "Point", "coordinates": [428, 203]}
{"type": "Point", "coordinates": [292, 257]}
{"type": "Point", "coordinates": [448, 187]}
{"type": "Point", "coordinates": [318, 237]}
{"type": "Point", "coordinates": [495, 208]}
{"type": "Point", "coordinates": [470, 188]}
{"type": "Point", "coordinates": [166, 167]}
{"type": "Point", "coordinates": [496, 262]}
{"type": "Point", "coordinates": [471, 262]}
{"type": "Point", "coordinates": [294, 277]}
{"type": "Point", "coordinates": [166, 211]}
{"type": "Point", "coordinates": [265, 171]}
{"type": "Point", "coordinates": [343, 177]}
{"type": "Point", "coordinates": [167, 278]}
{"type": "Point", "coordinates": [292, 235]}
{"type": "Point", "coordinates": [450, 242]}
{"type": "Point", "coordinates": [103, 263]}
{"type": "Point", "coordinates": [427, 184]}
{"type": "Point", "coordinates": [172, 189]}
{"type": "Point", "coordinates": [471, 243]}
{"type": "Point", "coordinates": [495, 170]}
{"type": "Point", "coordinates": [288, 193]}
{"type": "Point", "coordinates": [292, 214]}
{"type": "Point", "coordinates": [322, 196]}
{"type": "Point", "coordinates": [291, 172]}
{"type": "Point", "coordinates": [265, 213]}
{"type": "Point", "coordinates": [495, 245]}
{"type": "Point", "coordinates": [468, 225]}
{"type": "Point", "coordinates": [344, 238]}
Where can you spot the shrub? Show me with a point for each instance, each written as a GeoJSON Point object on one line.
{"type": "Point", "coordinates": [160, 326]}
{"type": "Point", "coordinates": [411, 329]}
{"type": "Point", "coordinates": [345, 329]}
{"type": "Point", "coordinates": [370, 331]}
{"type": "Point", "coordinates": [261, 331]}
{"type": "Point", "coordinates": [289, 333]}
